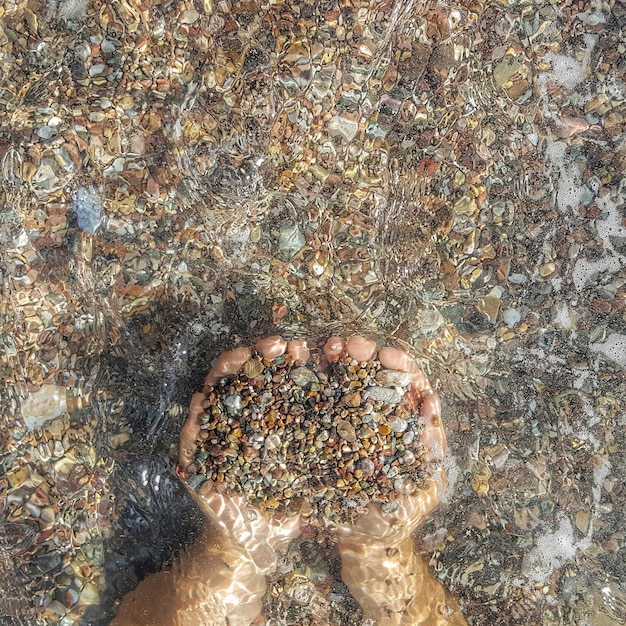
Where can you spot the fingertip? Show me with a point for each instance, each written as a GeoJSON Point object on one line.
{"type": "Point", "coordinates": [189, 432]}
{"type": "Point", "coordinates": [186, 452]}
{"type": "Point", "coordinates": [299, 350]}
{"type": "Point", "coordinates": [334, 348]}
{"type": "Point", "coordinates": [271, 347]}
{"type": "Point", "coordinates": [396, 359]}
{"type": "Point", "coordinates": [195, 408]}
{"type": "Point", "coordinates": [227, 364]}
{"type": "Point", "coordinates": [360, 348]}
{"type": "Point", "coordinates": [233, 360]}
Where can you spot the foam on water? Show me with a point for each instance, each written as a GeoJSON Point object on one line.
{"type": "Point", "coordinates": [613, 348]}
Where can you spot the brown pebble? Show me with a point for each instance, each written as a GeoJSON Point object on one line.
{"type": "Point", "coordinates": [352, 399]}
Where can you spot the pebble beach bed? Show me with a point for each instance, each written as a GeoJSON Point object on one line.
{"type": "Point", "coordinates": [180, 178]}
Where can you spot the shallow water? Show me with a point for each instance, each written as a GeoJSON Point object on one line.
{"type": "Point", "coordinates": [181, 179]}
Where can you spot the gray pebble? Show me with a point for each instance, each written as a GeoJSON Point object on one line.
{"type": "Point", "coordinates": [383, 395]}
{"type": "Point", "coordinates": [303, 376]}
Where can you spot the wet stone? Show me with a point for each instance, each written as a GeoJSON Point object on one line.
{"type": "Point", "coordinates": [367, 467]}
{"type": "Point", "coordinates": [382, 395]}
{"type": "Point", "coordinates": [511, 317]}
{"type": "Point", "coordinates": [346, 431]}
{"type": "Point", "coordinates": [233, 404]}
{"type": "Point", "coordinates": [392, 378]}
{"type": "Point", "coordinates": [291, 240]}
{"type": "Point", "coordinates": [253, 368]}
{"type": "Point", "coordinates": [408, 437]}
{"type": "Point", "coordinates": [303, 376]}
{"type": "Point", "coordinates": [397, 424]}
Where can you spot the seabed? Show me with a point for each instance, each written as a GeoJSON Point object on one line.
{"type": "Point", "coordinates": [178, 178]}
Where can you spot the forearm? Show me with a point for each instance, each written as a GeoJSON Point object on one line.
{"type": "Point", "coordinates": [394, 586]}
{"type": "Point", "coordinates": [210, 582]}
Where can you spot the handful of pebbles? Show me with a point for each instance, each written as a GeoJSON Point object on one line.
{"type": "Point", "coordinates": [319, 439]}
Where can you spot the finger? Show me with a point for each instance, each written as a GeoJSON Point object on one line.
{"type": "Point", "coordinates": [433, 437]}
{"type": "Point", "coordinates": [228, 363]}
{"type": "Point", "coordinates": [244, 522]}
{"type": "Point", "coordinates": [187, 446]}
{"type": "Point", "coordinates": [396, 359]}
{"type": "Point", "coordinates": [271, 347]}
{"type": "Point", "coordinates": [299, 350]}
{"type": "Point", "coordinates": [334, 348]}
{"type": "Point", "coordinates": [361, 349]}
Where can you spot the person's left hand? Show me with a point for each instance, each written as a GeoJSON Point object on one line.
{"type": "Point", "coordinates": [262, 537]}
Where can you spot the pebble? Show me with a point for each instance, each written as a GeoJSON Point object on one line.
{"type": "Point", "coordinates": [382, 395]}
{"type": "Point", "coordinates": [107, 46]}
{"type": "Point", "coordinates": [397, 424]}
{"type": "Point", "coordinates": [253, 368]}
{"type": "Point", "coordinates": [189, 17]}
{"type": "Point", "coordinates": [88, 207]}
{"type": "Point", "coordinates": [393, 378]}
{"type": "Point", "coordinates": [303, 376]}
{"type": "Point", "coordinates": [511, 317]}
{"type": "Point", "coordinates": [518, 279]}
{"type": "Point", "coordinates": [233, 404]}
{"type": "Point", "coordinates": [291, 240]}
{"type": "Point", "coordinates": [45, 132]}
{"type": "Point", "coordinates": [408, 437]}
{"type": "Point", "coordinates": [346, 431]}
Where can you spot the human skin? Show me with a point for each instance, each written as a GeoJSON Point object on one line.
{"type": "Point", "coordinates": [221, 579]}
